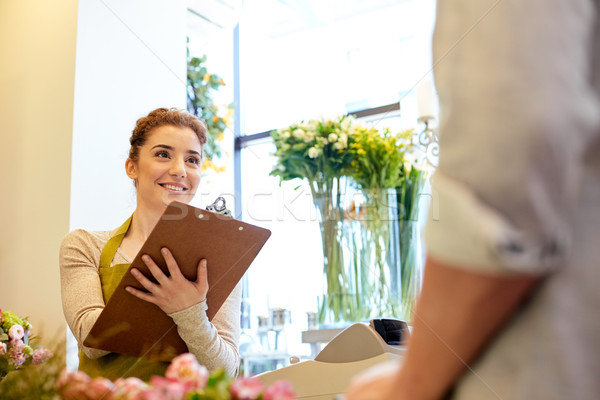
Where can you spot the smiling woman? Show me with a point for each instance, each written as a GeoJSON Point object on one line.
{"type": "Point", "coordinates": [164, 163]}
{"type": "Point", "coordinates": [165, 156]}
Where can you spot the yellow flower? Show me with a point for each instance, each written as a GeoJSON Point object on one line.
{"type": "Point", "coordinates": [208, 164]}
{"type": "Point", "coordinates": [206, 77]}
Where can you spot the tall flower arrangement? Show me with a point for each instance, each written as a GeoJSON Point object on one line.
{"type": "Point", "coordinates": [317, 150]}
{"type": "Point", "coordinates": [378, 156]}
{"type": "Point", "coordinates": [366, 263]}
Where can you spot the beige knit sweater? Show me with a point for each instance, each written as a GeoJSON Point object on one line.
{"type": "Point", "coordinates": [214, 343]}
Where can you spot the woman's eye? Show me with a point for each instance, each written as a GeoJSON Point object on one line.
{"type": "Point", "coordinates": [194, 160]}
{"type": "Point", "coordinates": [162, 154]}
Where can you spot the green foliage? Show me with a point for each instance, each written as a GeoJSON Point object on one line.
{"type": "Point", "coordinates": [316, 150]}
{"type": "Point", "coordinates": [10, 318]}
{"type": "Point", "coordinates": [217, 388]}
{"type": "Point", "coordinates": [378, 158]}
{"type": "Point", "coordinates": [408, 191]}
{"type": "Point", "coordinates": [201, 86]}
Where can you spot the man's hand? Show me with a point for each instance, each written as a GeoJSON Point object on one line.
{"type": "Point", "coordinates": [379, 382]}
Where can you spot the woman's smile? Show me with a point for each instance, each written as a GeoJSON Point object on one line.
{"type": "Point", "coordinates": [168, 167]}
{"type": "Point", "coordinates": [174, 187]}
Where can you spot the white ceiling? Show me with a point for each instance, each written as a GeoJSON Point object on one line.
{"type": "Point", "coordinates": [284, 17]}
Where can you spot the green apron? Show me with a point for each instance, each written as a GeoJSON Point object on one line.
{"type": "Point", "coordinates": [113, 365]}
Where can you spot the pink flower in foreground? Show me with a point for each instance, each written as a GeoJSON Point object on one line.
{"type": "Point", "coordinates": [66, 377]}
{"type": "Point", "coordinates": [165, 389]}
{"type": "Point", "coordinates": [246, 389]}
{"type": "Point", "coordinates": [3, 349]}
{"type": "Point", "coordinates": [72, 385]}
{"type": "Point", "coordinates": [41, 355]}
{"type": "Point", "coordinates": [16, 332]}
{"type": "Point", "coordinates": [98, 388]}
{"type": "Point", "coordinates": [63, 377]}
{"type": "Point", "coordinates": [186, 369]}
{"type": "Point", "coordinates": [129, 389]}
{"type": "Point", "coordinates": [280, 390]}
{"type": "Point", "coordinates": [74, 391]}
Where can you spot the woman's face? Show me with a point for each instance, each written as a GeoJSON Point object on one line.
{"type": "Point", "coordinates": [168, 167]}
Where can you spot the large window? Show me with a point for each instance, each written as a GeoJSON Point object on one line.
{"type": "Point", "coordinates": [300, 60]}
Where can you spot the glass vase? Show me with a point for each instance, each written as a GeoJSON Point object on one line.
{"type": "Point", "coordinates": [373, 260]}
{"type": "Point", "coordinates": [372, 238]}
{"type": "Point", "coordinates": [335, 305]}
{"type": "Point", "coordinates": [411, 262]}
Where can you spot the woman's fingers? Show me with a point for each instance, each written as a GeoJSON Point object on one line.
{"type": "Point", "coordinates": [145, 282]}
{"type": "Point", "coordinates": [141, 294]}
{"type": "Point", "coordinates": [202, 278]}
{"type": "Point", "coordinates": [172, 266]}
{"type": "Point", "coordinates": [154, 270]}
{"type": "Point", "coordinates": [173, 292]}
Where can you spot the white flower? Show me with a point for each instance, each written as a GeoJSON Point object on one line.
{"type": "Point", "coordinates": [332, 138]}
{"type": "Point", "coordinates": [285, 134]}
{"type": "Point", "coordinates": [16, 332]}
{"type": "Point", "coordinates": [298, 133]}
{"type": "Point", "coordinates": [339, 145]}
{"type": "Point", "coordinates": [313, 152]}
{"type": "Point", "coordinates": [309, 136]}
{"type": "Point", "coordinates": [346, 124]}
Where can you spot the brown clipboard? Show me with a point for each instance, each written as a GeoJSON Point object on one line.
{"type": "Point", "coordinates": [132, 326]}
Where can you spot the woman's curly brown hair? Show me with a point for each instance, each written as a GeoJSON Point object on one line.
{"type": "Point", "coordinates": [161, 117]}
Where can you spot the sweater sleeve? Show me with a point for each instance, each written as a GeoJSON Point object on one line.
{"type": "Point", "coordinates": [214, 343]}
{"type": "Point", "coordinates": [81, 289]}
{"type": "Point", "coordinates": [518, 112]}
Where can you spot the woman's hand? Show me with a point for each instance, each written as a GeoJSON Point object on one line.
{"type": "Point", "coordinates": [172, 293]}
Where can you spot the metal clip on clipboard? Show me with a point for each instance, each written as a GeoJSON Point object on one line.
{"type": "Point", "coordinates": [219, 207]}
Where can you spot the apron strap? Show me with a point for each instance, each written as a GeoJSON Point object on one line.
{"type": "Point", "coordinates": [111, 247]}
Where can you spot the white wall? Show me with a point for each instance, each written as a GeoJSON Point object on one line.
{"type": "Point", "coordinates": [131, 58]}
{"type": "Point", "coordinates": [37, 48]}
{"type": "Point", "coordinates": [74, 78]}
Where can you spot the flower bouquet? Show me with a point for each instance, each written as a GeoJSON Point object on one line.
{"type": "Point", "coordinates": [185, 379]}
{"type": "Point", "coordinates": [317, 150]}
{"type": "Point", "coordinates": [15, 349]}
{"type": "Point", "coordinates": [367, 263]}
{"type": "Point", "coordinates": [377, 158]}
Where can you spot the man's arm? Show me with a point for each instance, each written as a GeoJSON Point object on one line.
{"type": "Point", "coordinates": [457, 315]}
